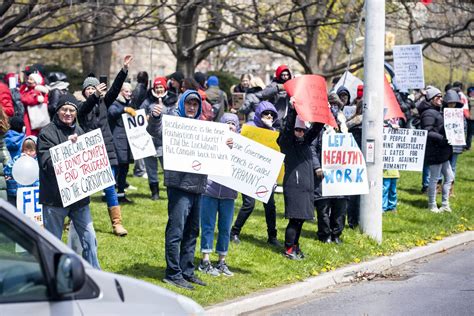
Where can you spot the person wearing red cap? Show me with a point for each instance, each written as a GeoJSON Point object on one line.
{"type": "Point", "coordinates": [158, 94]}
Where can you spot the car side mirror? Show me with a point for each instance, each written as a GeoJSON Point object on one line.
{"type": "Point", "coordinates": [70, 274]}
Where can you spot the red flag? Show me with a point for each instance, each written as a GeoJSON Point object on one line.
{"type": "Point", "coordinates": [391, 103]}
{"type": "Point", "coordinates": [426, 2]}
{"type": "Point", "coordinates": [311, 99]}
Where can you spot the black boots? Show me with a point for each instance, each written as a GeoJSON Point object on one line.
{"type": "Point", "coordinates": [155, 191]}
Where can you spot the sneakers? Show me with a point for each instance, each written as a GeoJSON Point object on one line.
{"type": "Point", "coordinates": [291, 254]}
{"type": "Point", "coordinates": [194, 279]}
{"type": "Point", "coordinates": [224, 269]}
{"type": "Point", "coordinates": [445, 208]}
{"type": "Point", "coordinates": [299, 252]}
{"type": "Point", "coordinates": [207, 268]}
{"type": "Point", "coordinates": [435, 209]}
{"type": "Point", "coordinates": [235, 239]}
{"type": "Point", "coordinates": [182, 283]}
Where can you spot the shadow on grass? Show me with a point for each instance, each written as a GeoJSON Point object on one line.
{"type": "Point", "coordinates": [260, 242]}
{"type": "Point", "coordinates": [143, 270]}
{"type": "Point", "coordinates": [418, 203]}
{"type": "Point", "coordinates": [410, 190]}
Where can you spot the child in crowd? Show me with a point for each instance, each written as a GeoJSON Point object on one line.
{"type": "Point", "coordinates": [298, 183]}
{"type": "Point", "coordinates": [217, 199]}
{"type": "Point", "coordinates": [390, 177]}
{"type": "Point", "coordinates": [28, 148]}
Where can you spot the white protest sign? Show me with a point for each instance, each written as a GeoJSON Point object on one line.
{"type": "Point", "coordinates": [139, 140]}
{"type": "Point", "coordinates": [255, 168]}
{"type": "Point", "coordinates": [350, 82]}
{"type": "Point", "coordinates": [27, 202]}
{"type": "Point", "coordinates": [408, 66]}
{"type": "Point", "coordinates": [403, 149]}
{"type": "Point", "coordinates": [82, 168]}
{"type": "Point", "coordinates": [195, 146]}
{"type": "Point", "coordinates": [454, 126]}
{"type": "Point", "coordinates": [343, 164]}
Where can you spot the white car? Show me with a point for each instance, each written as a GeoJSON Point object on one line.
{"type": "Point", "coordinates": [39, 275]}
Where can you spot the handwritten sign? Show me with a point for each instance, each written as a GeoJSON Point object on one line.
{"type": "Point", "coordinates": [255, 168]}
{"type": "Point", "coordinates": [311, 98]}
{"type": "Point", "coordinates": [343, 164]}
{"type": "Point", "coordinates": [454, 126]}
{"type": "Point", "coordinates": [350, 82]}
{"type": "Point", "coordinates": [27, 202]}
{"type": "Point", "coordinates": [403, 149]}
{"type": "Point", "coordinates": [81, 168]}
{"type": "Point", "coordinates": [408, 64]}
{"type": "Point", "coordinates": [195, 146]}
{"type": "Point", "coordinates": [140, 141]}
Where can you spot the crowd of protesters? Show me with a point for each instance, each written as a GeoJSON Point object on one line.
{"type": "Point", "coordinates": [196, 203]}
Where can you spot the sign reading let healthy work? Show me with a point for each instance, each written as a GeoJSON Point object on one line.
{"type": "Point", "coordinates": [140, 141]}
{"type": "Point", "coordinates": [195, 146]}
{"type": "Point", "coordinates": [255, 168]}
{"type": "Point", "coordinates": [27, 202]}
{"type": "Point", "coordinates": [343, 164]}
{"type": "Point", "coordinates": [454, 126]}
{"type": "Point", "coordinates": [403, 149]}
{"type": "Point", "coordinates": [82, 168]}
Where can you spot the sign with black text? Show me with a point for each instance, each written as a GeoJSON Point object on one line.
{"type": "Point", "coordinates": [141, 143]}
{"type": "Point", "coordinates": [403, 149]}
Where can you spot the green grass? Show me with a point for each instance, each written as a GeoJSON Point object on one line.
{"type": "Point", "coordinates": [258, 266]}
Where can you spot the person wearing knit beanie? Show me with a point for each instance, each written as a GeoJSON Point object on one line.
{"type": "Point", "coordinates": [36, 78]}
{"type": "Point", "coordinates": [17, 124]}
{"type": "Point", "coordinates": [212, 81]}
{"type": "Point", "coordinates": [67, 99]}
{"type": "Point", "coordinates": [201, 79]}
{"type": "Point", "coordinates": [89, 82]}
{"type": "Point", "coordinates": [160, 81]}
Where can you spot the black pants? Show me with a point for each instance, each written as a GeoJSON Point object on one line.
{"type": "Point", "coordinates": [353, 210]}
{"type": "Point", "coordinates": [121, 177]}
{"type": "Point", "coordinates": [470, 131]}
{"type": "Point", "coordinates": [248, 204]}
{"type": "Point", "coordinates": [293, 232]}
{"type": "Point", "coordinates": [331, 216]}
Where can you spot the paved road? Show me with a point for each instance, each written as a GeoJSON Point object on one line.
{"type": "Point", "coordinates": [442, 284]}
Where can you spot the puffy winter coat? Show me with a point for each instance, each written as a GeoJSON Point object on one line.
{"type": "Point", "coordinates": [31, 97]}
{"type": "Point", "coordinates": [122, 148]}
{"type": "Point", "coordinates": [6, 101]}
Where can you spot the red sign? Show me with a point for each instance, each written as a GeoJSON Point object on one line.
{"type": "Point", "coordinates": [311, 99]}
{"type": "Point", "coordinates": [391, 103]}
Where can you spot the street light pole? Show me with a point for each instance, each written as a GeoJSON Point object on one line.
{"type": "Point", "coordinates": [372, 127]}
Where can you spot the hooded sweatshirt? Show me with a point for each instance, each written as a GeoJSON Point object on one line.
{"type": "Point", "coordinates": [262, 107]}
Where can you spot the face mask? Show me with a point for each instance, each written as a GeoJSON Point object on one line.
{"type": "Point", "coordinates": [267, 122]}
{"type": "Point", "coordinates": [299, 139]}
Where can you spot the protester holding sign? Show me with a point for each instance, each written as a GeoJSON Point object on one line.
{"type": "Point", "coordinates": [122, 148]}
{"type": "Point", "coordinates": [158, 94]}
{"type": "Point", "coordinates": [265, 116]}
{"type": "Point", "coordinates": [92, 114]}
{"type": "Point", "coordinates": [298, 184]}
{"type": "Point", "coordinates": [438, 150]}
{"type": "Point", "coordinates": [64, 127]}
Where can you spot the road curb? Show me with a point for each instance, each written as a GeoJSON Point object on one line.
{"type": "Point", "coordinates": [346, 274]}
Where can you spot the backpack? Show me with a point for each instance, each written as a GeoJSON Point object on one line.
{"type": "Point", "coordinates": [207, 113]}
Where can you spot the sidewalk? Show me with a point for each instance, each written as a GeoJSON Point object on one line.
{"type": "Point", "coordinates": [298, 290]}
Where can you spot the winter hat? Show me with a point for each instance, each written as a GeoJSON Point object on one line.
{"type": "Point", "coordinates": [299, 123]}
{"type": "Point", "coordinates": [66, 99]}
{"type": "Point", "coordinates": [90, 81]}
{"type": "Point", "coordinates": [31, 137]}
{"type": "Point", "coordinates": [36, 78]}
{"type": "Point", "coordinates": [17, 124]}
{"type": "Point", "coordinates": [160, 81]}
{"type": "Point", "coordinates": [452, 96]}
{"type": "Point", "coordinates": [230, 118]}
{"type": "Point", "coordinates": [191, 96]}
{"type": "Point", "coordinates": [431, 93]}
{"type": "Point", "coordinates": [178, 76]}
{"type": "Point", "coordinates": [212, 81]}
{"type": "Point", "coordinates": [200, 78]}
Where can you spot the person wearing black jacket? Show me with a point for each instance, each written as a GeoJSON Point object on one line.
{"type": "Point", "coordinates": [92, 114]}
{"type": "Point", "coordinates": [298, 183]}
{"type": "Point", "coordinates": [63, 127]}
{"type": "Point", "coordinates": [138, 96]}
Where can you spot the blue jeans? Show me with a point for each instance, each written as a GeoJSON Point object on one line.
{"type": "Point", "coordinates": [54, 221]}
{"type": "Point", "coordinates": [436, 171]}
{"type": "Point", "coordinates": [181, 233]}
{"type": "Point", "coordinates": [110, 193]}
{"type": "Point", "coordinates": [210, 207]}
{"type": "Point", "coordinates": [151, 165]}
{"type": "Point", "coordinates": [389, 194]}
{"type": "Point", "coordinates": [453, 162]}
{"type": "Point", "coordinates": [425, 178]}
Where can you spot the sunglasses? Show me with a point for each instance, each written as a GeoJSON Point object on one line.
{"type": "Point", "coordinates": [266, 113]}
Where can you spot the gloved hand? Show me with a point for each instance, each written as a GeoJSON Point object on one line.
{"type": "Point", "coordinates": [130, 111]}
{"type": "Point", "coordinates": [40, 98]}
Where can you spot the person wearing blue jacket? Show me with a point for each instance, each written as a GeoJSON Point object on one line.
{"type": "Point", "coordinates": [15, 136]}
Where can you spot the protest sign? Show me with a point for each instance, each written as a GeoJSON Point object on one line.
{"type": "Point", "coordinates": [403, 149]}
{"type": "Point", "coordinates": [195, 146]}
{"type": "Point", "coordinates": [350, 82]}
{"type": "Point", "coordinates": [454, 126]}
{"type": "Point", "coordinates": [139, 140]}
{"type": "Point", "coordinates": [82, 168]}
{"type": "Point", "coordinates": [391, 107]}
{"type": "Point", "coordinates": [27, 202]}
{"type": "Point", "coordinates": [265, 137]}
{"type": "Point", "coordinates": [311, 98]}
{"type": "Point", "coordinates": [408, 64]}
{"type": "Point", "coordinates": [343, 165]}
{"type": "Point", "coordinates": [255, 168]}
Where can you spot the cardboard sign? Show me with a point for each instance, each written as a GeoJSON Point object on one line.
{"type": "Point", "coordinates": [238, 100]}
{"type": "Point", "coordinates": [27, 202]}
{"type": "Point", "coordinates": [343, 164]}
{"type": "Point", "coordinates": [139, 140]}
{"type": "Point", "coordinates": [408, 66]}
{"type": "Point", "coordinates": [311, 99]}
{"type": "Point", "coordinates": [404, 149]}
{"type": "Point", "coordinates": [350, 82]}
{"type": "Point", "coordinates": [454, 126]}
{"type": "Point", "coordinates": [392, 108]}
{"type": "Point", "coordinates": [255, 168]}
{"type": "Point", "coordinates": [82, 168]}
{"type": "Point", "coordinates": [195, 146]}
